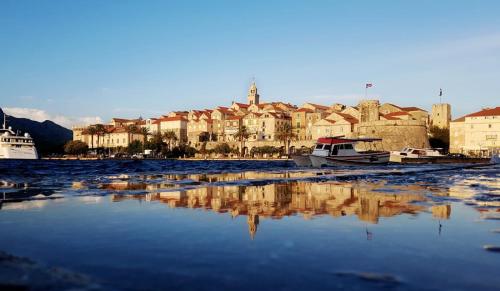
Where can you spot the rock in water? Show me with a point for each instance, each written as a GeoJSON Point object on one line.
{"type": "Point", "coordinates": [18, 273]}
{"type": "Point", "coordinates": [492, 248]}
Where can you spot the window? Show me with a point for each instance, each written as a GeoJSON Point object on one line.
{"type": "Point", "coordinates": [327, 147]}
{"type": "Point", "coordinates": [489, 125]}
{"type": "Point", "coordinates": [319, 146]}
{"type": "Point", "coordinates": [335, 150]}
{"type": "Point", "coordinates": [348, 146]}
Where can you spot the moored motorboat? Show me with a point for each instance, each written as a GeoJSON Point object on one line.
{"type": "Point", "coordinates": [415, 153]}
{"type": "Point", "coordinates": [332, 151]}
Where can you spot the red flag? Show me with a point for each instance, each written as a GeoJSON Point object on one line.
{"type": "Point", "coordinates": [369, 85]}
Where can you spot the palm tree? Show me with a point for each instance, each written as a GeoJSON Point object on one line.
{"type": "Point", "coordinates": [242, 135]}
{"type": "Point", "coordinates": [92, 131]}
{"type": "Point", "coordinates": [169, 136]}
{"type": "Point", "coordinates": [100, 130]}
{"type": "Point", "coordinates": [131, 129]}
{"type": "Point", "coordinates": [286, 135]}
{"type": "Point", "coordinates": [145, 133]}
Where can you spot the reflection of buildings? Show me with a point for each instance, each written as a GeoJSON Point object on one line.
{"type": "Point", "coordinates": [283, 199]}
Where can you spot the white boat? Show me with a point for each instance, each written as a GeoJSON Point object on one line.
{"type": "Point", "coordinates": [415, 153]}
{"type": "Point", "coordinates": [332, 151]}
{"type": "Point", "coordinates": [14, 146]}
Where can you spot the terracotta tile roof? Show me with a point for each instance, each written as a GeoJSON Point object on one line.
{"type": "Point", "coordinates": [242, 105]}
{"type": "Point", "coordinates": [411, 109]}
{"type": "Point", "coordinates": [234, 117]}
{"type": "Point", "coordinates": [318, 106]}
{"type": "Point", "coordinates": [175, 118]}
{"type": "Point", "coordinates": [397, 113]}
{"type": "Point", "coordinates": [304, 110]}
{"type": "Point", "coordinates": [331, 121]}
{"type": "Point", "coordinates": [348, 117]}
{"type": "Point", "coordinates": [224, 110]}
{"type": "Point", "coordinates": [390, 117]}
{"type": "Point", "coordinates": [485, 112]}
{"type": "Point", "coordinates": [117, 130]}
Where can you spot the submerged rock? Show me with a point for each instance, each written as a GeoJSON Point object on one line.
{"type": "Point", "coordinates": [492, 248]}
{"type": "Point", "coordinates": [371, 277]}
{"type": "Point", "coordinates": [17, 273]}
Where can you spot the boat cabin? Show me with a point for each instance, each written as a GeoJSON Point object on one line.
{"type": "Point", "coordinates": [334, 146]}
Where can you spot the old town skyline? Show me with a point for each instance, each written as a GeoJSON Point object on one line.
{"type": "Point", "coordinates": [94, 62]}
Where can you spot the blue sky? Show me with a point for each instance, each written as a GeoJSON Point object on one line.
{"type": "Point", "coordinates": [75, 61]}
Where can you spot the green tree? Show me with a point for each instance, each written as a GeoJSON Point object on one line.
{"type": "Point", "coordinates": [286, 135]}
{"type": "Point", "coordinates": [222, 148]}
{"type": "Point", "coordinates": [156, 143]}
{"type": "Point", "coordinates": [131, 129]}
{"type": "Point", "coordinates": [144, 131]}
{"type": "Point", "coordinates": [134, 147]}
{"type": "Point", "coordinates": [169, 137]}
{"type": "Point", "coordinates": [182, 151]}
{"type": "Point", "coordinates": [76, 147]}
{"type": "Point", "coordinates": [242, 135]}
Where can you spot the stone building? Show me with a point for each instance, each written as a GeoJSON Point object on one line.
{"type": "Point", "coordinates": [176, 124]}
{"type": "Point", "coordinates": [477, 133]}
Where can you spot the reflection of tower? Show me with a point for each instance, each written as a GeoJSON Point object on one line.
{"type": "Point", "coordinates": [441, 211]}
{"type": "Point", "coordinates": [253, 222]}
{"type": "Point", "coordinates": [253, 96]}
{"type": "Point", "coordinates": [369, 209]}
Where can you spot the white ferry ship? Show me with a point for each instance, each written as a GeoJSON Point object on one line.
{"type": "Point", "coordinates": [331, 151]}
{"type": "Point", "coordinates": [14, 146]}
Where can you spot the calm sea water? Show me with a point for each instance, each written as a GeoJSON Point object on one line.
{"type": "Point", "coordinates": [255, 225]}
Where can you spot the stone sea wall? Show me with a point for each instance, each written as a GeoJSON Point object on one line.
{"type": "Point", "coordinates": [396, 134]}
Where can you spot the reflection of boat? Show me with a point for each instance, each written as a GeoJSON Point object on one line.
{"type": "Point", "coordinates": [495, 158]}
{"type": "Point", "coordinates": [415, 153]}
{"type": "Point", "coordinates": [13, 146]}
{"type": "Point", "coordinates": [331, 151]}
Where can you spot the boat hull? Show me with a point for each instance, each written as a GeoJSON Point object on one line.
{"type": "Point", "coordinates": [362, 159]}
{"type": "Point", "coordinates": [302, 160]}
{"type": "Point", "coordinates": [22, 153]}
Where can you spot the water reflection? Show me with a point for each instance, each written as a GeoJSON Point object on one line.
{"type": "Point", "coordinates": [365, 201]}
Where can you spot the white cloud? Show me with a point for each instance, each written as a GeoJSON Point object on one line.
{"type": "Point", "coordinates": [42, 115]}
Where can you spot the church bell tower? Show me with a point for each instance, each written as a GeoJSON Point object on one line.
{"type": "Point", "coordinates": [253, 96]}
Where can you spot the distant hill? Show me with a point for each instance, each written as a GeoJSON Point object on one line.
{"type": "Point", "coordinates": [49, 137]}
